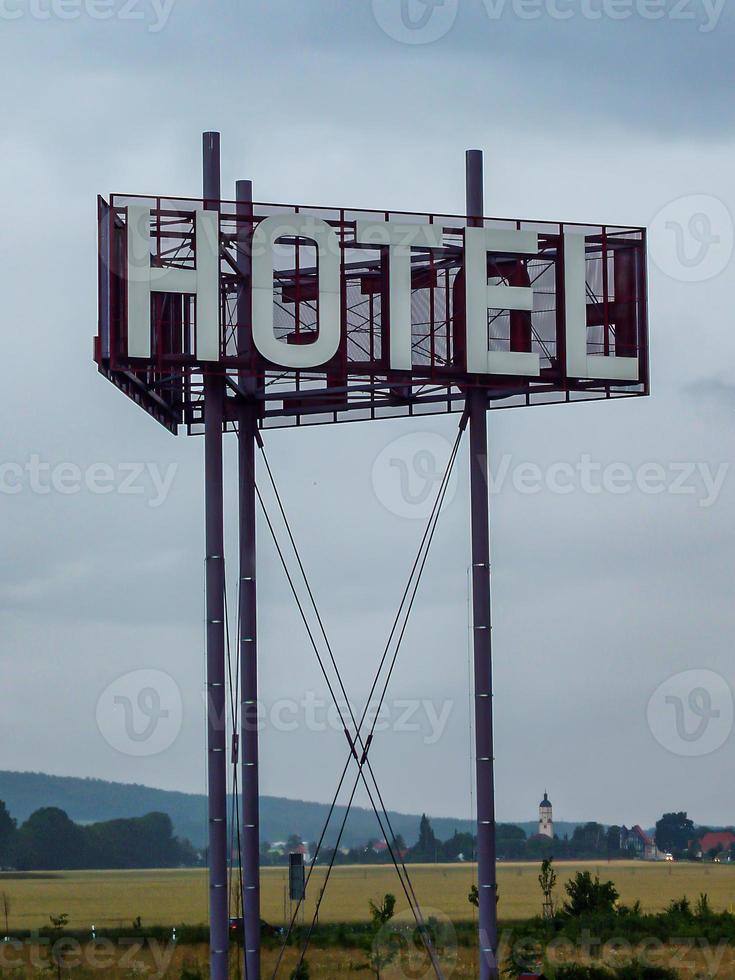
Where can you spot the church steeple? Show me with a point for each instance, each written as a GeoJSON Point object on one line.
{"type": "Point", "coordinates": [545, 819]}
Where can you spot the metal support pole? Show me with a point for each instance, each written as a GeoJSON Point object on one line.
{"type": "Point", "coordinates": [215, 583]}
{"type": "Point", "coordinates": [247, 424]}
{"type": "Point", "coordinates": [485, 763]}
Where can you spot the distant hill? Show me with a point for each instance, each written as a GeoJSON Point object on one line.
{"type": "Point", "coordinates": [92, 800]}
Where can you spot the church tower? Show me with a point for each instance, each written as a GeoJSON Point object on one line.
{"type": "Point", "coordinates": [545, 821]}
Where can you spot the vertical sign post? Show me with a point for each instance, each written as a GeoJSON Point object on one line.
{"type": "Point", "coordinates": [215, 601]}
{"type": "Point", "coordinates": [477, 403]}
{"type": "Point", "coordinates": [280, 382]}
{"type": "Point", "coordinates": [247, 433]}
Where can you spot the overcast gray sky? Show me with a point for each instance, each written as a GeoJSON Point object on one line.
{"type": "Point", "coordinates": [619, 112]}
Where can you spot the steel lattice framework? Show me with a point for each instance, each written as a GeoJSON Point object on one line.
{"type": "Point", "coordinates": [358, 383]}
{"type": "Point", "coordinates": [193, 358]}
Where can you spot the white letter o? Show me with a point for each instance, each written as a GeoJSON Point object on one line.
{"type": "Point", "coordinates": [326, 344]}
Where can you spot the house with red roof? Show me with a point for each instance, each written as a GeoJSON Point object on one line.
{"type": "Point", "coordinates": [637, 842]}
{"type": "Point", "coordinates": [716, 842]}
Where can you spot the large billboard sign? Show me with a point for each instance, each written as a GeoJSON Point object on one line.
{"type": "Point", "coordinates": [323, 314]}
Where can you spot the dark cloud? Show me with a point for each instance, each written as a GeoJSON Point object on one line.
{"type": "Point", "coordinates": [598, 598]}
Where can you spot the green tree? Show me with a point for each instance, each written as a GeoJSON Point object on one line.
{"type": "Point", "coordinates": [383, 950]}
{"type": "Point", "coordinates": [461, 844]}
{"type": "Point", "coordinates": [137, 842]}
{"type": "Point", "coordinates": [547, 881]}
{"type": "Point", "coordinates": [588, 895]}
{"type": "Point", "coordinates": [58, 924]}
{"type": "Point", "coordinates": [427, 846]}
{"type": "Point", "coordinates": [50, 841]}
{"type": "Point", "coordinates": [703, 909]}
{"type": "Point", "coordinates": [674, 831]}
{"type": "Point", "coordinates": [538, 848]}
{"type": "Point", "coordinates": [680, 906]}
{"type": "Point", "coordinates": [5, 910]}
{"type": "Point", "coordinates": [613, 840]}
{"type": "Point", "coordinates": [474, 896]}
{"type": "Point", "coordinates": [7, 837]}
{"type": "Point", "coordinates": [510, 841]}
{"type": "Point", "coordinates": [589, 839]}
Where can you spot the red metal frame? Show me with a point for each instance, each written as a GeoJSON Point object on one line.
{"type": "Point", "coordinates": [358, 382]}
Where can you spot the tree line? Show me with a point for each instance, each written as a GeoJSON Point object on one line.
{"type": "Point", "coordinates": [675, 833]}
{"type": "Point", "coordinates": [49, 841]}
{"type": "Point", "coordinates": [589, 840]}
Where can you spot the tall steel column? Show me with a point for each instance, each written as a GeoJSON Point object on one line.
{"type": "Point", "coordinates": [215, 601]}
{"type": "Point", "coordinates": [477, 404]}
{"type": "Point", "coordinates": [247, 424]}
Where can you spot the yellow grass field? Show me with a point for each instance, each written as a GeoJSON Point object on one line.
{"type": "Point", "coordinates": [115, 898]}
{"type": "Point", "coordinates": [168, 960]}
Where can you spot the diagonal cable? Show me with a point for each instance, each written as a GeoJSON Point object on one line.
{"type": "Point", "coordinates": [418, 563]}
{"type": "Point", "coordinates": [430, 531]}
{"type": "Point", "coordinates": [437, 505]}
{"type": "Point", "coordinates": [390, 835]}
{"type": "Point", "coordinates": [358, 737]}
{"type": "Point", "coordinates": [353, 753]}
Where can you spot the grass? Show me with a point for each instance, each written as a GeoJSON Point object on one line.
{"type": "Point", "coordinates": [190, 961]}
{"type": "Point", "coordinates": [116, 898]}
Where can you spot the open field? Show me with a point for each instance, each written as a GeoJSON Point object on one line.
{"type": "Point", "coordinates": [168, 960]}
{"type": "Point", "coordinates": [115, 898]}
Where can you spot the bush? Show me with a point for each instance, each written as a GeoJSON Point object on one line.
{"type": "Point", "coordinates": [637, 971]}
{"type": "Point", "coordinates": [191, 971]}
{"type": "Point", "coordinates": [634, 971]}
{"type": "Point", "coordinates": [588, 895]}
{"type": "Point", "coordinates": [575, 971]}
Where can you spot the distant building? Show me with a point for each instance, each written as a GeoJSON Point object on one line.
{"type": "Point", "coordinates": [721, 841]}
{"type": "Point", "coordinates": [637, 842]}
{"type": "Point", "coordinates": [545, 818]}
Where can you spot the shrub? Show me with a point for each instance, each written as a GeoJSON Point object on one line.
{"type": "Point", "coordinates": [633, 971]}
{"type": "Point", "coordinates": [588, 895]}
{"type": "Point", "coordinates": [191, 971]}
{"type": "Point", "coordinates": [575, 971]}
{"type": "Point", "coordinates": [680, 906]}
{"type": "Point", "coordinates": [638, 971]}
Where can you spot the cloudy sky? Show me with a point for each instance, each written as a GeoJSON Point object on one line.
{"type": "Point", "coordinates": [612, 599]}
